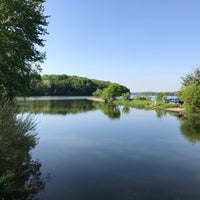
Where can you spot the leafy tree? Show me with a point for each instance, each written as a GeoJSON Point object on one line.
{"type": "Point", "coordinates": [97, 93]}
{"type": "Point", "coordinates": [22, 25]}
{"type": "Point", "coordinates": [194, 77]}
{"type": "Point", "coordinates": [159, 96]}
{"type": "Point", "coordinates": [111, 92]}
{"type": "Point", "coordinates": [190, 94]}
{"type": "Point", "coordinates": [126, 96]}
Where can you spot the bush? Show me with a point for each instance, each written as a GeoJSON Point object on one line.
{"type": "Point", "coordinates": [126, 96]}
{"type": "Point", "coordinates": [97, 93]}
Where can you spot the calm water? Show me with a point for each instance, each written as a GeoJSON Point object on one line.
{"type": "Point", "coordinates": [92, 151]}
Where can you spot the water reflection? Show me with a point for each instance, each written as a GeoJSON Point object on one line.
{"type": "Point", "coordinates": [64, 107]}
{"type": "Point", "coordinates": [137, 157]}
{"type": "Point", "coordinates": [20, 175]}
{"type": "Point", "coordinates": [126, 110]}
{"type": "Point", "coordinates": [109, 109]}
{"type": "Point", "coordinates": [160, 113]}
{"type": "Point", "coordinates": [190, 128]}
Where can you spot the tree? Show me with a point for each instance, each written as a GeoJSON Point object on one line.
{"type": "Point", "coordinates": [111, 92]}
{"type": "Point", "coordinates": [194, 77]}
{"type": "Point", "coordinates": [97, 93]}
{"type": "Point", "coordinates": [190, 93]}
{"type": "Point", "coordinates": [126, 95]}
{"type": "Point", "coordinates": [159, 96]}
{"type": "Point", "coordinates": [22, 25]}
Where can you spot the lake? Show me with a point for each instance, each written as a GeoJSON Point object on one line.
{"type": "Point", "coordinates": [93, 151]}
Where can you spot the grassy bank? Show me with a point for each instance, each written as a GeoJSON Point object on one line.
{"type": "Point", "coordinates": [145, 104]}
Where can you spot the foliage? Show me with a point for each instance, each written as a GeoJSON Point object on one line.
{"type": "Point", "coordinates": [97, 93]}
{"type": "Point", "coordinates": [171, 105]}
{"type": "Point", "coordinates": [160, 97]}
{"type": "Point", "coordinates": [191, 97]}
{"type": "Point", "coordinates": [20, 176]}
{"type": "Point", "coordinates": [126, 96]}
{"type": "Point", "coordinates": [141, 98]}
{"type": "Point", "coordinates": [190, 93]}
{"type": "Point", "coordinates": [111, 92]}
{"type": "Point", "coordinates": [193, 78]}
{"type": "Point", "coordinates": [21, 30]}
{"type": "Point", "coordinates": [135, 103]}
{"type": "Point", "coordinates": [64, 85]}
{"type": "Point", "coordinates": [143, 102]}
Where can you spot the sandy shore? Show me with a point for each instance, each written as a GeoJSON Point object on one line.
{"type": "Point", "coordinates": [175, 109]}
{"type": "Point", "coordinates": [96, 99]}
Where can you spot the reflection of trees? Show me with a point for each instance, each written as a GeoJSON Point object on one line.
{"type": "Point", "coordinates": [160, 113]}
{"type": "Point", "coordinates": [69, 107]}
{"type": "Point", "coordinates": [126, 110]}
{"type": "Point", "coordinates": [109, 109]}
{"type": "Point", "coordinates": [190, 128]}
{"type": "Point", "coordinates": [20, 176]}
{"type": "Point", "coordinates": [56, 106]}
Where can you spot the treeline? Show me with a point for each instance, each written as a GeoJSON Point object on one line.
{"type": "Point", "coordinates": [64, 85]}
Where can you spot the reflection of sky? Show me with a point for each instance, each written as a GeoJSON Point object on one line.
{"type": "Point", "coordinates": [138, 156]}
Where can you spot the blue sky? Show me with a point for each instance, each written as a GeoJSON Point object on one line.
{"type": "Point", "coordinates": [146, 45]}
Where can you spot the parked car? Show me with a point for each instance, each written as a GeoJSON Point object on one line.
{"type": "Point", "coordinates": [173, 100]}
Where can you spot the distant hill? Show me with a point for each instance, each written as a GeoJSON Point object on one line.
{"type": "Point", "coordinates": [64, 85]}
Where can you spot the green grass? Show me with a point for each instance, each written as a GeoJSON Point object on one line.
{"type": "Point", "coordinates": [145, 104]}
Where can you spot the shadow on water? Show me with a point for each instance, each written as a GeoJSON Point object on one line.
{"type": "Point", "coordinates": [20, 175]}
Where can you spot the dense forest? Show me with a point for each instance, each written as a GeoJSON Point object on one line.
{"type": "Point", "coordinates": [64, 85]}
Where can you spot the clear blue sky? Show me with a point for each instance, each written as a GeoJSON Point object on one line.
{"type": "Point", "coordinates": [146, 45]}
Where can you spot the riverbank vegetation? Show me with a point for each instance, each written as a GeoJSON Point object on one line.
{"type": "Point", "coordinates": [143, 102]}
{"type": "Point", "coordinates": [190, 93]}
{"type": "Point", "coordinates": [112, 93]}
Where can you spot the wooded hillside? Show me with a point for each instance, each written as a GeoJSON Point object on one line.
{"type": "Point", "coordinates": [64, 85]}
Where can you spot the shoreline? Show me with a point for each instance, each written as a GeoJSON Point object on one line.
{"type": "Point", "coordinates": [96, 99]}
{"type": "Point", "coordinates": [175, 109]}
{"type": "Point", "coordinates": [167, 109]}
